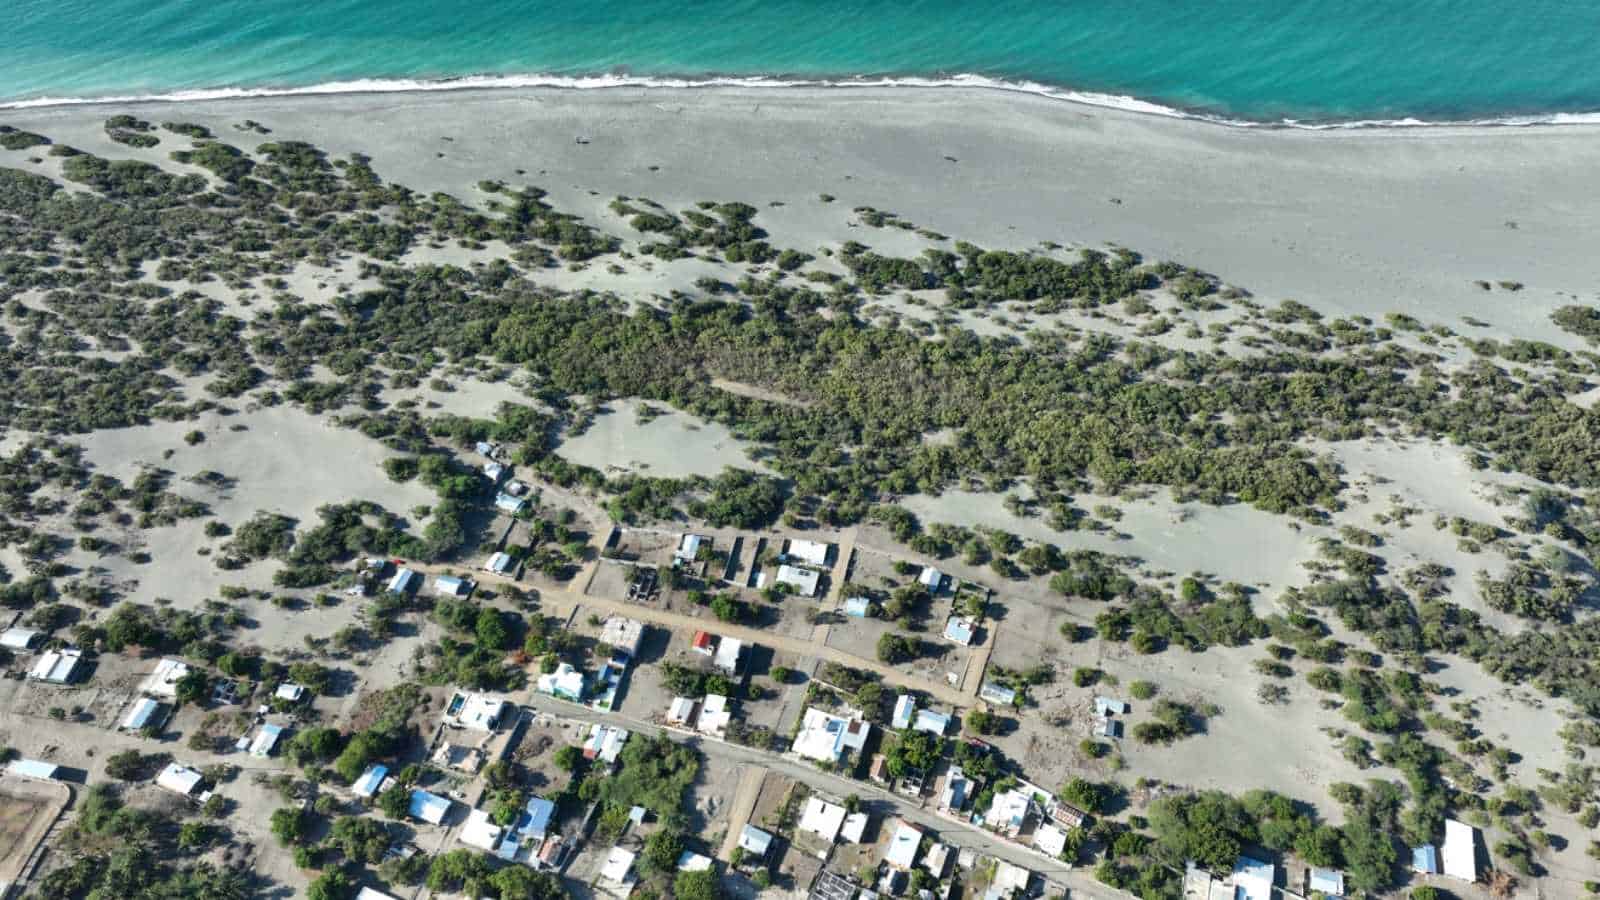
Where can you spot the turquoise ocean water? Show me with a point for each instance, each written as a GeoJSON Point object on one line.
{"type": "Point", "coordinates": [1370, 61]}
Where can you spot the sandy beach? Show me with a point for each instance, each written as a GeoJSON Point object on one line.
{"type": "Point", "coordinates": [1360, 221]}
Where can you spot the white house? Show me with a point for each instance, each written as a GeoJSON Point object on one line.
{"type": "Point", "coordinates": [18, 638]}
{"type": "Point", "coordinates": [960, 630]}
{"type": "Point", "coordinates": [499, 563]}
{"type": "Point", "coordinates": [855, 825]}
{"type": "Point", "coordinates": [1327, 882]}
{"type": "Point", "coordinates": [931, 578]}
{"type": "Point", "coordinates": [1050, 840]}
{"type": "Point", "coordinates": [163, 682]}
{"type": "Point", "coordinates": [566, 683]}
{"type": "Point", "coordinates": [479, 712]}
{"type": "Point", "coordinates": [804, 581]}
{"type": "Point", "coordinates": [178, 779]}
{"type": "Point", "coordinates": [681, 712]}
{"type": "Point", "coordinates": [144, 712]}
{"type": "Point", "coordinates": [290, 692]}
{"type": "Point", "coordinates": [932, 722]}
{"type": "Point", "coordinates": [902, 851]}
{"type": "Point", "coordinates": [37, 769]}
{"type": "Point", "coordinates": [57, 666]}
{"type": "Point", "coordinates": [690, 861]}
{"type": "Point", "coordinates": [997, 693]}
{"type": "Point", "coordinates": [1110, 706]}
{"type": "Point", "coordinates": [1252, 879]}
{"type": "Point", "coordinates": [825, 737]}
{"type": "Point", "coordinates": [727, 656]}
{"type": "Point", "coordinates": [605, 742]}
{"type": "Point", "coordinates": [714, 716]}
{"type": "Point", "coordinates": [1009, 811]}
{"type": "Point", "coordinates": [689, 547]}
{"type": "Point", "coordinates": [451, 586]}
{"type": "Point", "coordinates": [404, 582]}
{"type": "Point", "coordinates": [822, 818]}
{"type": "Point", "coordinates": [623, 634]}
{"type": "Point", "coordinates": [904, 706]}
{"type": "Point", "coordinates": [754, 841]}
{"type": "Point", "coordinates": [619, 866]}
{"type": "Point", "coordinates": [266, 740]}
{"type": "Point", "coordinates": [480, 831]}
{"type": "Point", "coordinates": [1460, 850]}
{"type": "Point", "coordinates": [811, 553]}
{"type": "Point", "coordinates": [1010, 880]}
{"type": "Point", "coordinates": [937, 859]}
{"type": "Point", "coordinates": [371, 781]}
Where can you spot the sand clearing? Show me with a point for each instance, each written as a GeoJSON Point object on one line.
{"type": "Point", "coordinates": [672, 445]}
{"type": "Point", "coordinates": [285, 461]}
{"type": "Point", "coordinates": [27, 810]}
{"type": "Point", "coordinates": [1235, 542]}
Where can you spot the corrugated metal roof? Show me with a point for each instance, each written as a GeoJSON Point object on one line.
{"type": "Point", "coordinates": [32, 768]}
{"type": "Point", "coordinates": [144, 709]}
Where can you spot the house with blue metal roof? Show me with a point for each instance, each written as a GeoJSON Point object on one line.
{"type": "Point", "coordinates": [370, 782]}
{"type": "Point", "coordinates": [430, 808]}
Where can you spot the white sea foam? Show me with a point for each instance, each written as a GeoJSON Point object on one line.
{"type": "Point", "coordinates": [612, 81]}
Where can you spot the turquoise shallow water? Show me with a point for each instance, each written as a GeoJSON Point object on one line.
{"type": "Point", "coordinates": [1256, 60]}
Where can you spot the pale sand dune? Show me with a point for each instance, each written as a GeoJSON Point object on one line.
{"type": "Point", "coordinates": [1235, 542]}
{"type": "Point", "coordinates": [672, 445]}
{"type": "Point", "coordinates": [286, 461]}
{"type": "Point", "coordinates": [1362, 221]}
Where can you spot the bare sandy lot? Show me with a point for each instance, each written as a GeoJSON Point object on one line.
{"type": "Point", "coordinates": [27, 810]}
{"type": "Point", "coordinates": [1237, 541]}
{"type": "Point", "coordinates": [671, 445]}
{"type": "Point", "coordinates": [280, 460]}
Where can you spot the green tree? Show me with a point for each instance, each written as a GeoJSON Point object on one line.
{"type": "Point", "coordinates": [702, 885]}
{"type": "Point", "coordinates": [395, 802]}
{"type": "Point", "coordinates": [360, 839]}
{"type": "Point", "coordinates": [981, 721]}
{"type": "Point", "coordinates": [522, 883]}
{"type": "Point", "coordinates": [333, 884]}
{"type": "Point", "coordinates": [662, 850]}
{"type": "Point", "coordinates": [193, 687]}
{"type": "Point", "coordinates": [126, 765]}
{"type": "Point", "coordinates": [315, 745]}
{"type": "Point", "coordinates": [567, 757]}
{"type": "Point", "coordinates": [195, 835]}
{"type": "Point", "coordinates": [491, 629]}
{"type": "Point", "coordinates": [895, 648]}
{"type": "Point", "coordinates": [289, 825]}
{"type": "Point", "coordinates": [1209, 828]}
{"type": "Point", "coordinates": [1082, 793]}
